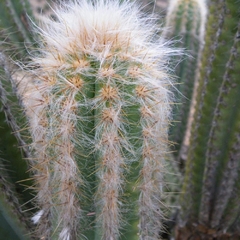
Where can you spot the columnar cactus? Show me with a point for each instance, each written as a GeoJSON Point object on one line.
{"type": "Point", "coordinates": [211, 185]}
{"type": "Point", "coordinates": [15, 36]}
{"type": "Point", "coordinates": [185, 22]}
{"type": "Point", "coordinates": [97, 98]}
{"type": "Point", "coordinates": [13, 199]}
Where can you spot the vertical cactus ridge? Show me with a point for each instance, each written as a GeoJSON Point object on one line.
{"type": "Point", "coordinates": [52, 122]}
{"type": "Point", "coordinates": [98, 97]}
{"type": "Point", "coordinates": [232, 210]}
{"type": "Point", "coordinates": [194, 168]}
{"type": "Point", "coordinates": [209, 162]}
{"type": "Point", "coordinates": [8, 95]}
{"type": "Point", "coordinates": [64, 119]}
{"type": "Point", "coordinates": [222, 145]}
{"type": "Point", "coordinates": [153, 160]}
{"type": "Point", "coordinates": [11, 133]}
{"type": "Point", "coordinates": [220, 134]}
{"type": "Point", "coordinates": [185, 20]}
{"type": "Point", "coordinates": [32, 94]}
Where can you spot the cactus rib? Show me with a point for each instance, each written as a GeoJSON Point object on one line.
{"type": "Point", "coordinates": [4, 62]}
{"type": "Point", "coordinates": [223, 119]}
{"type": "Point", "coordinates": [194, 169]}
{"type": "Point", "coordinates": [210, 177]}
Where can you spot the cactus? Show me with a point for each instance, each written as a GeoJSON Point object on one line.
{"type": "Point", "coordinates": [185, 22]}
{"type": "Point", "coordinates": [97, 100]}
{"type": "Point", "coordinates": [15, 38]}
{"type": "Point", "coordinates": [14, 221]}
{"type": "Point", "coordinates": [211, 179]}
{"type": "Point", "coordinates": [96, 93]}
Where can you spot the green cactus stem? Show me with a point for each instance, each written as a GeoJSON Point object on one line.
{"type": "Point", "coordinates": [185, 22]}
{"type": "Point", "coordinates": [212, 166]}
{"type": "Point", "coordinates": [13, 147]}
{"type": "Point", "coordinates": [228, 158]}
{"type": "Point", "coordinates": [8, 97]}
{"type": "Point", "coordinates": [98, 99]}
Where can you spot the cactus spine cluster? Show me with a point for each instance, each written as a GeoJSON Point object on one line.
{"type": "Point", "coordinates": [98, 98]}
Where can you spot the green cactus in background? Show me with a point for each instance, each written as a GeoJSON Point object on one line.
{"type": "Point", "coordinates": [15, 38]}
{"type": "Point", "coordinates": [185, 22]}
{"type": "Point", "coordinates": [211, 185]}
{"type": "Point", "coordinates": [15, 33]}
{"type": "Point", "coordinates": [92, 121]}
{"type": "Point", "coordinates": [14, 199]}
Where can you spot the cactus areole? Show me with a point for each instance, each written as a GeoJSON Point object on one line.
{"type": "Point", "coordinates": [98, 101]}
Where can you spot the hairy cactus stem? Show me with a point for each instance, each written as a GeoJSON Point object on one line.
{"type": "Point", "coordinates": [101, 86]}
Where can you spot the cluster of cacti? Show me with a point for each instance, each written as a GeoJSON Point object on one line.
{"type": "Point", "coordinates": [96, 93]}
